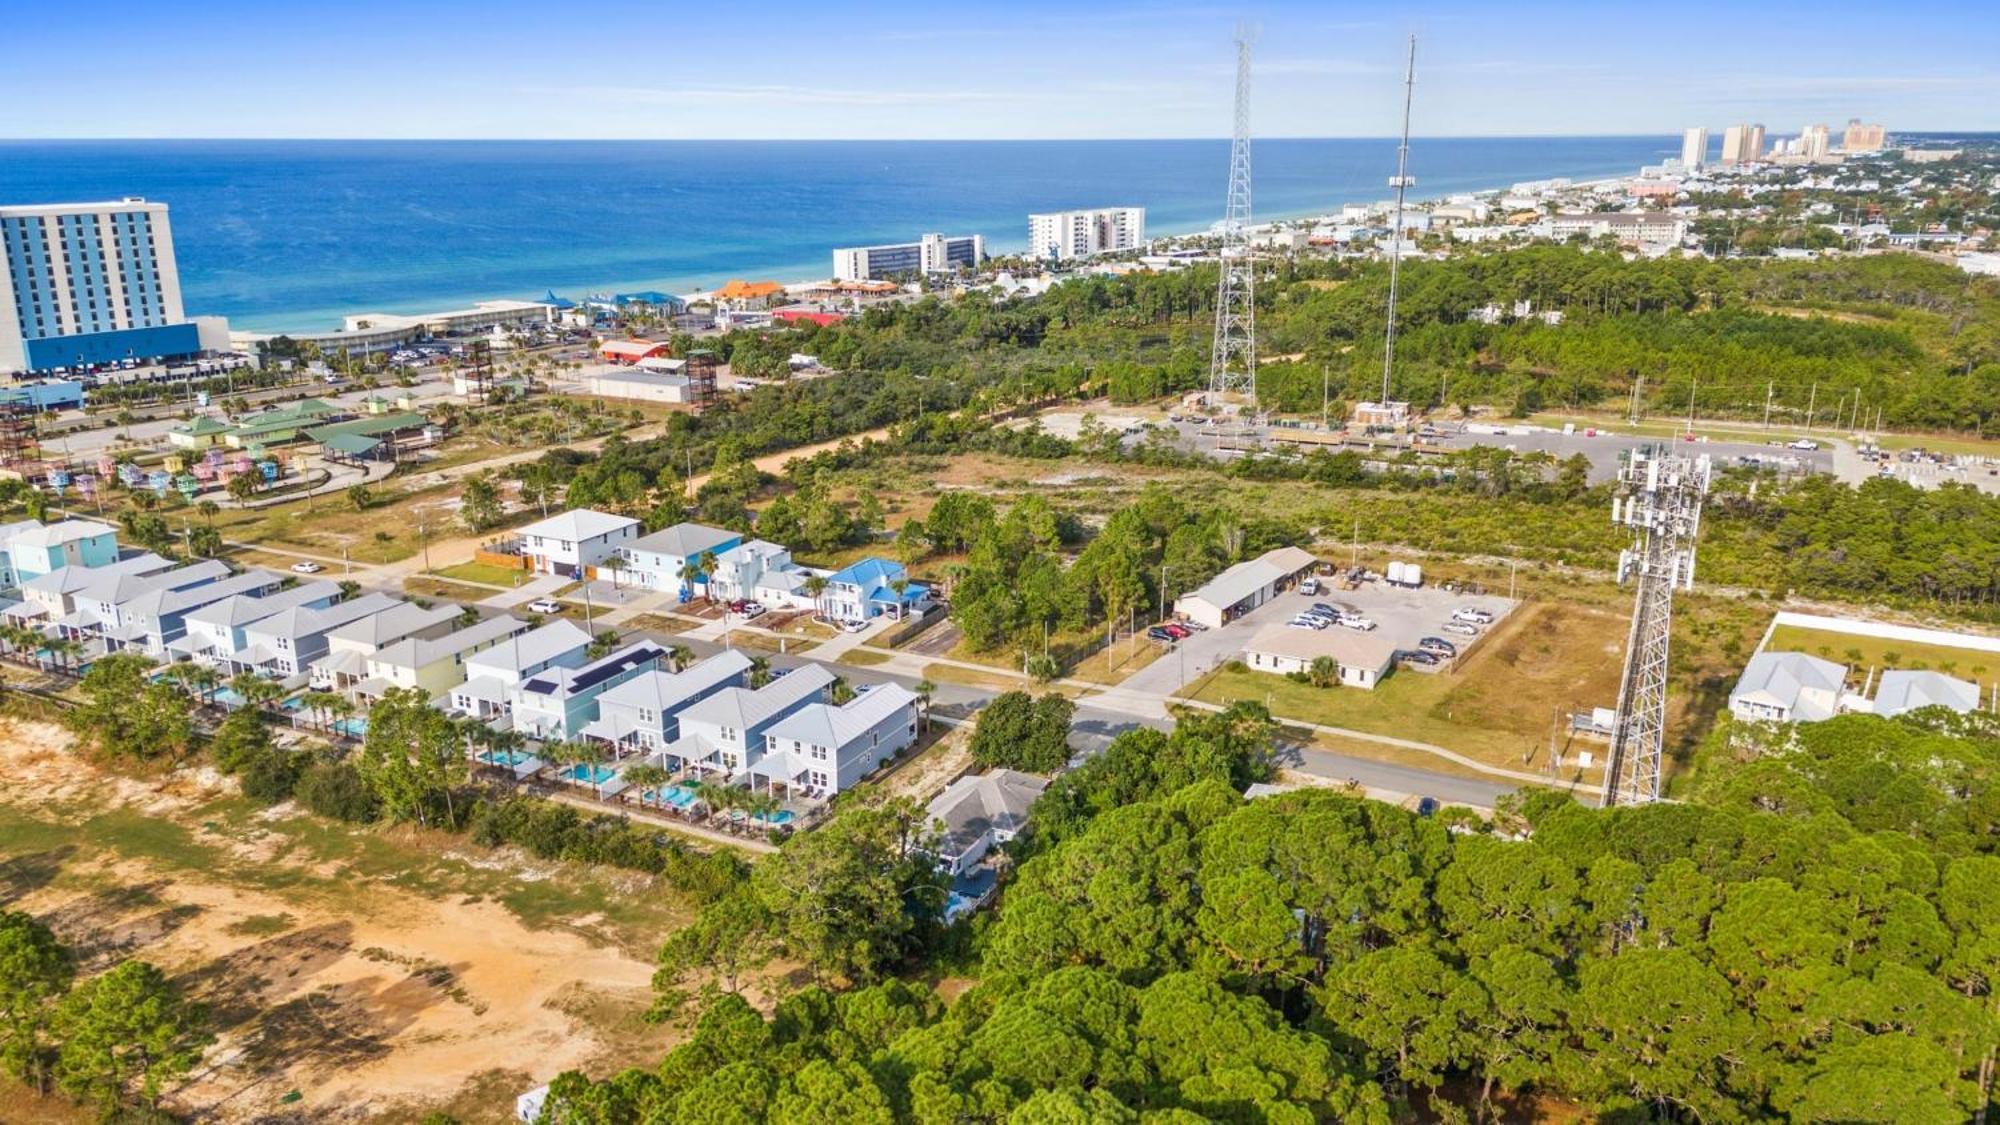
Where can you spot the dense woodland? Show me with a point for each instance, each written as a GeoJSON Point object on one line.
{"type": "Point", "coordinates": [1813, 936]}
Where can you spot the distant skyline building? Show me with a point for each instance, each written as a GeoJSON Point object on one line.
{"type": "Point", "coordinates": [1860, 137]}
{"type": "Point", "coordinates": [1814, 142]}
{"type": "Point", "coordinates": [1694, 148]}
{"type": "Point", "coordinates": [1742, 144]}
{"type": "Point", "coordinates": [1070, 235]}
{"type": "Point", "coordinates": [88, 284]}
{"type": "Point", "coordinates": [933, 253]}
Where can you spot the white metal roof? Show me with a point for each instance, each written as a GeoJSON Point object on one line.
{"type": "Point", "coordinates": [824, 724]}
{"type": "Point", "coordinates": [742, 708]}
{"type": "Point", "coordinates": [1779, 679]}
{"type": "Point", "coordinates": [525, 650]}
{"type": "Point", "coordinates": [664, 691]}
{"type": "Point", "coordinates": [578, 525]}
{"type": "Point", "coordinates": [1902, 691]}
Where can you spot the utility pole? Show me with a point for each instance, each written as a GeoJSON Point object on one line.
{"type": "Point", "coordinates": [1767, 406]}
{"type": "Point", "coordinates": [1812, 405]}
{"type": "Point", "coordinates": [1402, 184]}
{"type": "Point", "coordinates": [1692, 384]}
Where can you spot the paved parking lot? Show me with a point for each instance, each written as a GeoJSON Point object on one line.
{"type": "Point", "coordinates": [1401, 617]}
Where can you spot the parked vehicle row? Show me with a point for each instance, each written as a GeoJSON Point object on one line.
{"type": "Point", "coordinates": [1322, 615]}
{"type": "Point", "coordinates": [1167, 632]}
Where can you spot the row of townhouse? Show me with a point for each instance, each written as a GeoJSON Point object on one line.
{"type": "Point", "coordinates": [724, 565]}
{"type": "Point", "coordinates": [784, 733]}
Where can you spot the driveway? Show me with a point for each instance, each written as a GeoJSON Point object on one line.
{"type": "Point", "coordinates": [540, 586]}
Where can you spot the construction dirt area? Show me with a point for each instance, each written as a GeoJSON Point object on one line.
{"type": "Point", "coordinates": [351, 972]}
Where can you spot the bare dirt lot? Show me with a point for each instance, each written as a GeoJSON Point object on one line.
{"type": "Point", "coordinates": [379, 973]}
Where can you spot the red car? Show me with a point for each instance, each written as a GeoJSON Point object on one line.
{"type": "Point", "coordinates": [1179, 631]}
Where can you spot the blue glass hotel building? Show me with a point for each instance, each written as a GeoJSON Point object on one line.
{"type": "Point", "coordinates": [89, 284]}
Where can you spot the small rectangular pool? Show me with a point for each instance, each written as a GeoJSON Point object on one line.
{"type": "Point", "coordinates": [585, 773]}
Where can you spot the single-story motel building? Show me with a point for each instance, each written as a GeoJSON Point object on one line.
{"type": "Point", "coordinates": [1363, 658]}
{"type": "Point", "coordinates": [1244, 587]}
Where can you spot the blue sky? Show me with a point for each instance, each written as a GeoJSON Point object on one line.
{"type": "Point", "coordinates": [609, 68]}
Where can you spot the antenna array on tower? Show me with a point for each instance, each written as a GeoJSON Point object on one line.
{"type": "Point", "coordinates": [1662, 506]}
{"type": "Point", "coordinates": [1233, 360]}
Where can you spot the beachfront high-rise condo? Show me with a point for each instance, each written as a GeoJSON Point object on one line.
{"type": "Point", "coordinates": [88, 284]}
{"type": "Point", "coordinates": [1861, 137]}
{"type": "Point", "coordinates": [1742, 144]}
{"type": "Point", "coordinates": [1069, 235]}
{"type": "Point", "coordinates": [1694, 148]}
{"type": "Point", "coordinates": [933, 253]}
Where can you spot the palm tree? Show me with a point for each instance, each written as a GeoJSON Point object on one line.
{"type": "Point", "coordinates": [256, 690]}
{"type": "Point", "coordinates": [839, 691]}
{"type": "Point", "coordinates": [207, 510]}
{"type": "Point", "coordinates": [682, 656]}
{"type": "Point", "coordinates": [814, 587]}
{"type": "Point", "coordinates": [760, 672]}
{"type": "Point", "coordinates": [924, 691]}
{"type": "Point", "coordinates": [645, 778]}
{"type": "Point", "coordinates": [616, 564]}
{"type": "Point", "coordinates": [322, 705]}
{"type": "Point", "coordinates": [63, 650]}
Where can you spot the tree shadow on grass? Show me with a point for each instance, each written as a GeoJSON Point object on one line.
{"type": "Point", "coordinates": [237, 985]}
{"type": "Point", "coordinates": [108, 926]}
{"type": "Point", "coordinates": [23, 875]}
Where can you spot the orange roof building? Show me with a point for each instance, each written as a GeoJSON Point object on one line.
{"type": "Point", "coordinates": [738, 290]}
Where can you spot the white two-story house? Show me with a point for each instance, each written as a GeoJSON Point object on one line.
{"type": "Point", "coordinates": [285, 644]}
{"type": "Point", "coordinates": [558, 703]}
{"type": "Point", "coordinates": [348, 648]}
{"type": "Point", "coordinates": [824, 748]}
{"type": "Point", "coordinates": [724, 734]}
{"type": "Point", "coordinates": [216, 634]}
{"type": "Point", "coordinates": [568, 542]}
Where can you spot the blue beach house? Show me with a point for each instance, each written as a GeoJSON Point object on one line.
{"type": "Point", "coordinates": [34, 549]}
{"type": "Point", "coordinates": [869, 589]}
{"type": "Point", "coordinates": [657, 561]}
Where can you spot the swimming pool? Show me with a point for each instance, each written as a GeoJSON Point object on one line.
{"type": "Point", "coordinates": [585, 773]}
{"type": "Point", "coordinates": [505, 758]}
{"type": "Point", "coordinates": [354, 726]}
{"type": "Point", "coordinates": [679, 796]}
{"type": "Point", "coordinates": [782, 816]}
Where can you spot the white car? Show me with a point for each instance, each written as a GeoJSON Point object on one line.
{"type": "Point", "coordinates": [1308, 621]}
{"type": "Point", "coordinates": [1309, 587]}
{"type": "Point", "coordinates": [1360, 623]}
{"type": "Point", "coordinates": [853, 626]}
{"type": "Point", "coordinates": [1460, 628]}
{"type": "Point", "coordinates": [1806, 444]}
{"type": "Point", "coordinates": [306, 568]}
{"type": "Point", "coordinates": [1472, 616]}
{"type": "Point", "coordinates": [545, 605]}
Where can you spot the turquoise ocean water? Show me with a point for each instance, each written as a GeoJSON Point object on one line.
{"type": "Point", "coordinates": [292, 235]}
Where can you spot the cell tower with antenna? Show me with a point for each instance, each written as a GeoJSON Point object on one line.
{"type": "Point", "coordinates": [1401, 181]}
{"type": "Point", "coordinates": [1663, 490]}
{"type": "Point", "coordinates": [1232, 370]}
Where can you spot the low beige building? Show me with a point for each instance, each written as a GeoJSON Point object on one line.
{"type": "Point", "coordinates": [1364, 658]}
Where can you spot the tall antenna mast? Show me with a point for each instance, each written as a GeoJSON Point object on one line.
{"type": "Point", "coordinates": [1233, 360]}
{"type": "Point", "coordinates": [1401, 183]}
{"type": "Point", "coordinates": [1664, 492]}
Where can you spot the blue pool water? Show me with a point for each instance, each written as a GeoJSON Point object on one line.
{"type": "Point", "coordinates": [292, 235]}
{"type": "Point", "coordinates": [354, 726]}
{"type": "Point", "coordinates": [782, 816]}
{"type": "Point", "coordinates": [506, 758]}
{"type": "Point", "coordinates": [679, 796]}
{"type": "Point", "coordinates": [586, 774]}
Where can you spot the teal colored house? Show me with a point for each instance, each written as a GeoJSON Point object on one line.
{"type": "Point", "coordinates": [34, 549]}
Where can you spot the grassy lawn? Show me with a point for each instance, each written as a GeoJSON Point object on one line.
{"type": "Point", "coordinates": [864, 658]}
{"type": "Point", "coordinates": [764, 642]}
{"type": "Point", "coordinates": [1126, 658]}
{"type": "Point", "coordinates": [484, 572]}
{"type": "Point", "coordinates": [384, 532]}
{"type": "Point", "coordinates": [995, 681]}
{"type": "Point", "coordinates": [423, 587]}
{"type": "Point", "coordinates": [1861, 654]}
{"type": "Point", "coordinates": [1498, 707]}
{"type": "Point", "coordinates": [660, 623]}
